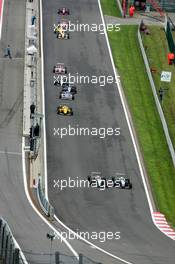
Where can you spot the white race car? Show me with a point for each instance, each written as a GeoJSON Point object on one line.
{"type": "Point", "coordinates": [66, 96]}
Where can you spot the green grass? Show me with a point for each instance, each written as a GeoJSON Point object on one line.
{"type": "Point", "coordinates": [110, 8]}
{"type": "Point", "coordinates": [157, 50]}
{"type": "Point", "coordinates": [129, 62]}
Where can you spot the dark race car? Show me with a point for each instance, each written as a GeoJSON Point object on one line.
{"type": "Point", "coordinates": [60, 80]}
{"type": "Point", "coordinates": [114, 182]}
{"type": "Point", "coordinates": [69, 88]}
{"type": "Point", "coordinates": [97, 181]}
{"type": "Point", "coordinates": [122, 183]}
{"type": "Point", "coordinates": [63, 11]}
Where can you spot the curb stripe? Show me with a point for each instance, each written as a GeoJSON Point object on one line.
{"type": "Point", "coordinates": [162, 224]}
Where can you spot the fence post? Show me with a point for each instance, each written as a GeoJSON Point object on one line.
{"type": "Point", "coordinates": [80, 258]}
{"type": "Point", "coordinates": [6, 249]}
{"type": "Point", "coordinates": [57, 257]}
{"type": "Point", "coordinates": [16, 256]}
{"type": "Point", "coordinates": [1, 233]}
{"type": "Point", "coordinates": [2, 240]}
{"type": "Point", "coordinates": [11, 254]}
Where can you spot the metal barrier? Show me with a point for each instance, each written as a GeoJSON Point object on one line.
{"type": "Point", "coordinates": [9, 250]}
{"type": "Point", "coordinates": [45, 205]}
{"type": "Point", "coordinates": [167, 5]}
{"type": "Point", "coordinates": [59, 258]}
{"type": "Point", "coordinates": [168, 30]}
{"type": "Point", "coordinates": [158, 105]}
{"type": "Point", "coordinates": [64, 259]}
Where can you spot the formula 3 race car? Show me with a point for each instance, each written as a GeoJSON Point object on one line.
{"type": "Point", "coordinates": [97, 181]}
{"type": "Point", "coordinates": [114, 182]}
{"type": "Point", "coordinates": [61, 31]}
{"type": "Point", "coordinates": [70, 89]}
{"type": "Point", "coordinates": [62, 34]}
{"type": "Point", "coordinates": [64, 110]}
{"type": "Point", "coordinates": [63, 11]}
{"type": "Point", "coordinates": [66, 95]}
{"type": "Point", "coordinates": [59, 68]}
{"type": "Point", "coordinates": [122, 183]}
{"type": "Point", "coordinates": [60, 80]}
{"type": "Point", "coordinates": [64, 24]}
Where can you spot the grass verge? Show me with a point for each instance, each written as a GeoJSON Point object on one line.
{"type": "Point", "coordinates": [155, 45]}
{"type": "Point", "coordinates": [128, 60]}
{"type": "Point", "coordinates": [110, 8]}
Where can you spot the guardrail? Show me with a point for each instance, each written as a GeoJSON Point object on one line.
{"type": "Point", "coordinates": [9, 250]}
{"type": "Point", "coordinates": [120, 7]}
{"type": "Point", "coordinates": [158, 105]}
{"type": "Point", "coordinates": [64, 259]}
{"type": "Point", "coordinates": [45, 205]}
{"type": "Point", "coordinates": [31, 104]}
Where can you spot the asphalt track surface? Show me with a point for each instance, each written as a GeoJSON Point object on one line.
{"type": "Point", "coordinates": [27, 227]}
{"type": "Point", "coordinates": [91, 210]}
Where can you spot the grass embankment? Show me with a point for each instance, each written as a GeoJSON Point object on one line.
{"type": "Point", "coordinates": [157, 50]}
{"type": "Point", "coordinates": [129, 62]}
{"type": "Point", "coordinates": [110, 8]}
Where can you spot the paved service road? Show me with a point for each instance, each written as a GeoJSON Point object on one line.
{"type": "Point", "coordinates": [77, 156]}
{"type": "Point", "coordinates": [28, 229]}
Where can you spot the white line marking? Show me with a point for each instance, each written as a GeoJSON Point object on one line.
{"type": "Point", "coordinates": [91, 244]}
{"type": "Point", "coordinates": [43, 99]}
{"type": "Point", "coordinates": [45, 156]}
{"type": "Point", "coordinates": [1, 18]}
{"type": "Point", "coordinates": [10, 153]}
{"type": "Point", "coordinates": [26, 186]}
{"type": "Point", "coordinates": [132, 137]}
{"type": "Point", "coordinates": [33, 206]}
{"type": "Point", "coordinates": [127, 119]}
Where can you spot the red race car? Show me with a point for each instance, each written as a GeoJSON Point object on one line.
{"type": "Point", "coordinates": [59, 68]}
{"type": "Point", "coordinates": [63, 11]}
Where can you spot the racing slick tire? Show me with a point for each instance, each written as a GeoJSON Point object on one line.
{"type": "Point", "coordinates": [130, 186]}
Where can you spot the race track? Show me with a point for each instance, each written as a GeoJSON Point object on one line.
{"type": "Point", "coordinates": [92, 210]}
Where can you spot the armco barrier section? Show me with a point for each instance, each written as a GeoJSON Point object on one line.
{"type": "Point", "coordinates": [9, 251]}
{"type": "Point", "coordinates": [45, 205]}
{"type": "Point", "coordinates": [167, 5]}
{"type": "Point", "coordinates": [158, 105]}
{"type": "Point", "coordinates": [169, 36]}
{"type": "Point", "coordinates": [65, 259]}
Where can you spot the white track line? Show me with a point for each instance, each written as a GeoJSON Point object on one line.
{"type": "Point", "coordinates": [10, 153]}
{"type": "Point", "coordinates": [91, 244]}
{"type": "Point", "coordinates": [45, 155]}
{"type": "Point", "coordinates": [43, 98]}
{"type": "Point", "coordinates": [132, 137]}
{"type": "Point", "coordinates": [125, 111]}
{"type": "Point", "coordinates": [33, 206]}
{"type": "Point", "coordinates": [24, 169]}
{"type": "Point", "coordinates": [1, 18]}
{"type": "Point", "coordinates": [128, 122]}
